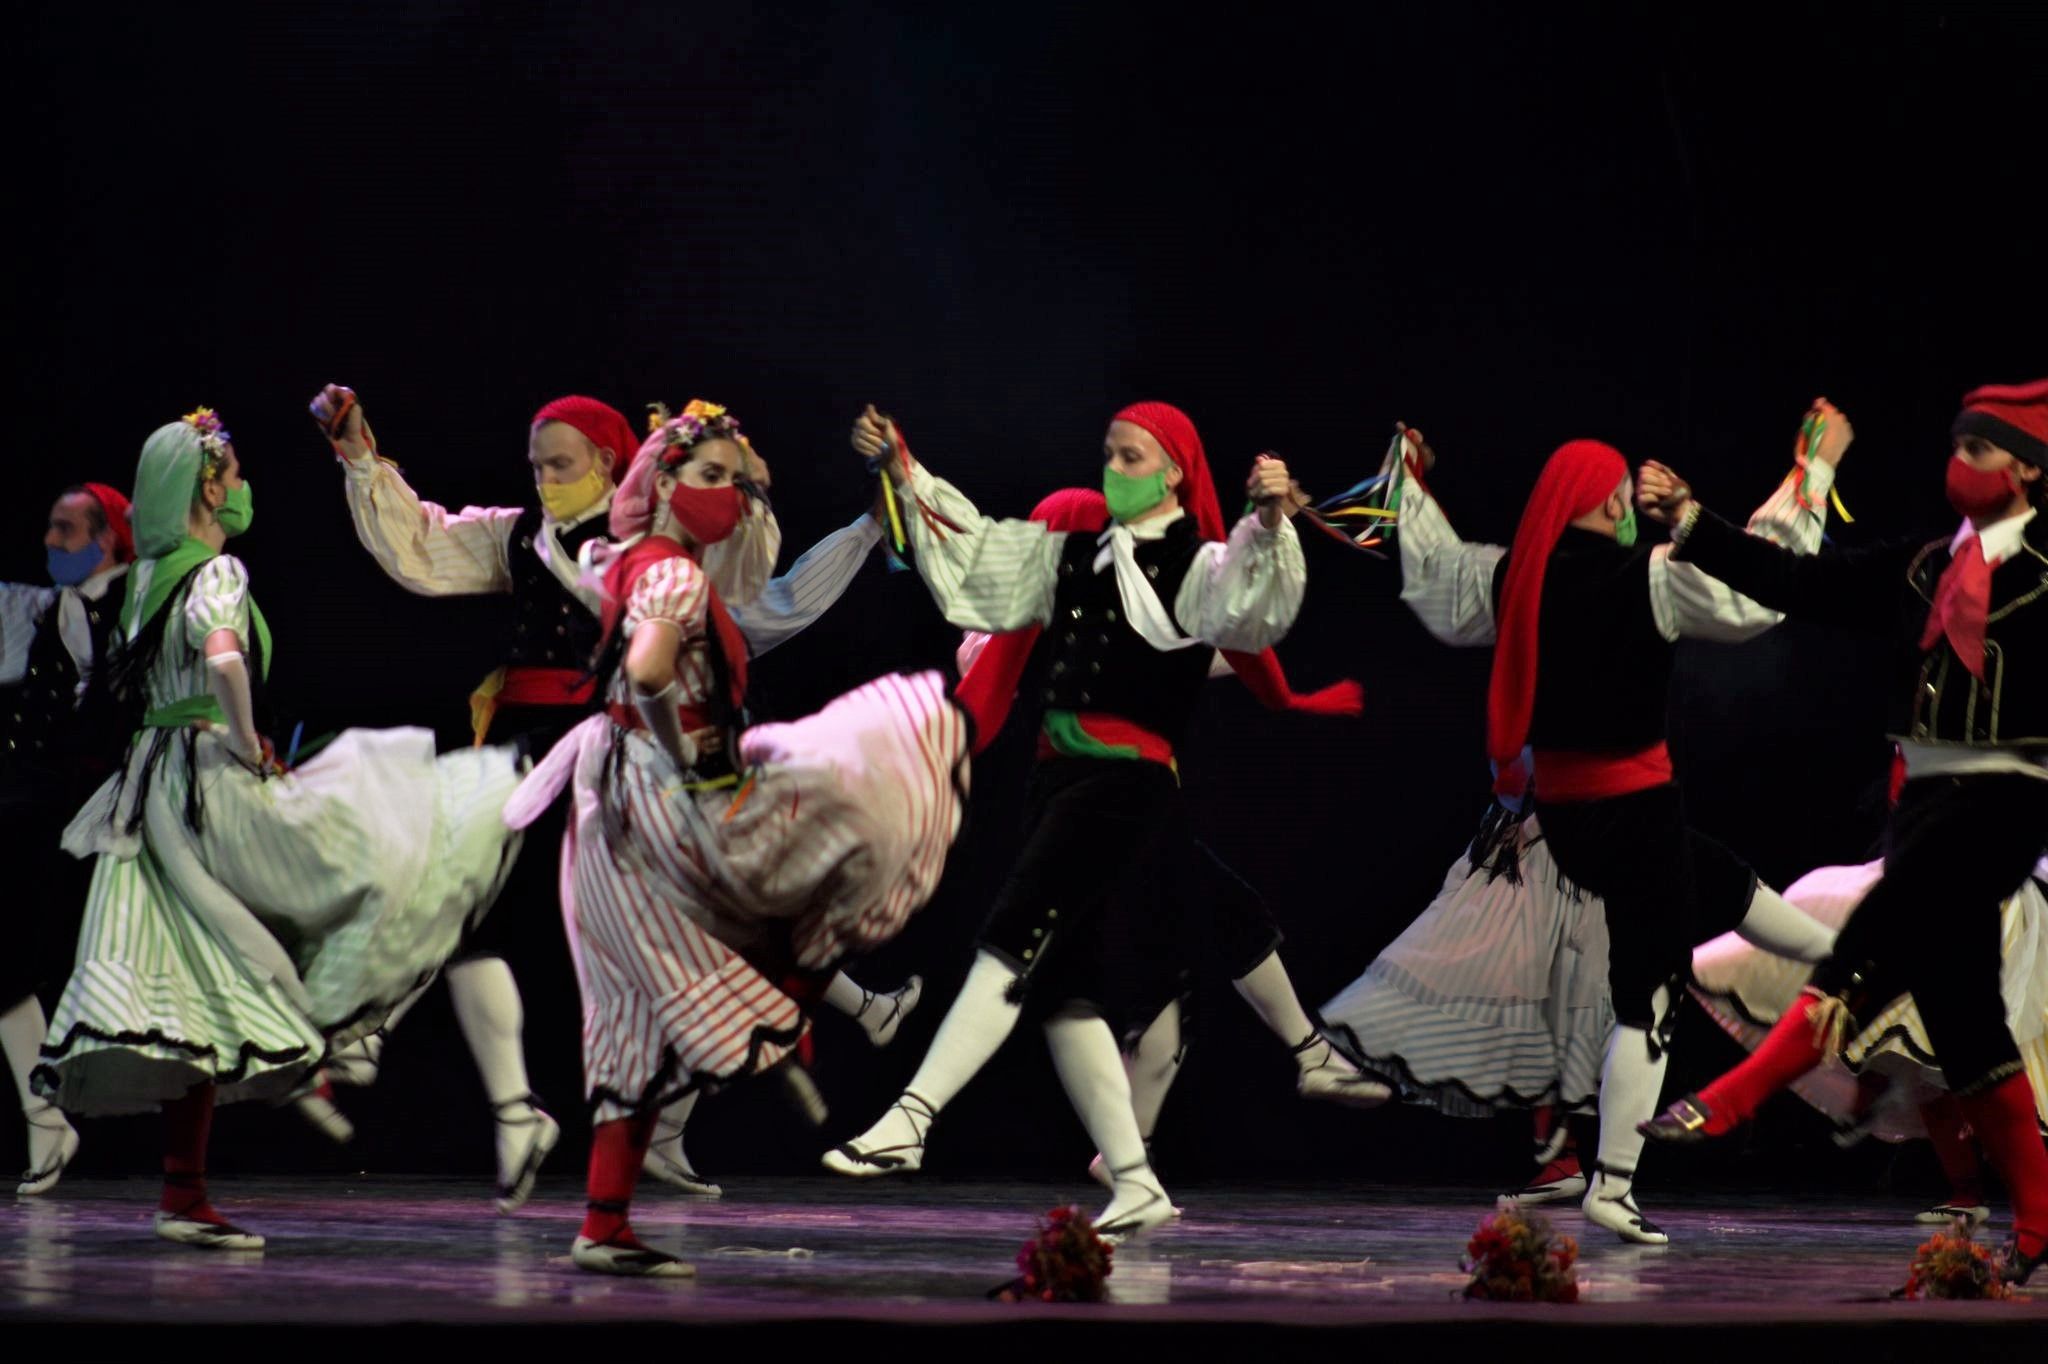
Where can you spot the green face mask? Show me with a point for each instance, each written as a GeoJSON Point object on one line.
{"type": "Point", "coordinates": [1132, 497]}
{"type": "Point", "coordinates": [236, 513]}
{"type": "Point", "coordinates": [1625, 529]}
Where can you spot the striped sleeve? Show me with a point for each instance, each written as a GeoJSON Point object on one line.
{"type": "Point", "coordinates": [1446, 582]}
{"type": "Point", "coordinates": [792, 602]}
{"type": "Point", "coordinates": [1687, 603]}
{"type": "Point", "coordinates": [985, 574]}
{"type": "Point", "coordinates": [218, 599]}
{"type": "Point", "coordinates": [1244, 593]}
{"type": "Point", "coordinates": [423, 546]}
{"type": "Point", "coordinates": [21, 609]}
{"type": "Point", "coordinates": [672, 590]}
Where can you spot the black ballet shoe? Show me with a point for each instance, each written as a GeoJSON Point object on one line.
{"type": "Point", "coordinates": [2016, 1268]}
{"type": "Point", "coordinates": [1682, 1124]}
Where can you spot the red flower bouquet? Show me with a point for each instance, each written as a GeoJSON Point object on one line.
{"type": "Point", "coordinates": [1065, 1262]}
{"type": "Point", "coordinates": [1950, 1265]}
{"type": "Point", "coordinates": [1516, 1257]}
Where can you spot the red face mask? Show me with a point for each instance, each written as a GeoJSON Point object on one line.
{"type": "Point", "coordinates": [1977, 492]}
{"type": "Point", "coordinates": [707, 515]}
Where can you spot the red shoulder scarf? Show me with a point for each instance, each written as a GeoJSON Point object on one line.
{"type": "Point", "coordinates": [625, 571]}
{"type": "Point", "coordinates": [991, 684]}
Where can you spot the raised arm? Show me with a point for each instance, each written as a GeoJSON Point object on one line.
{"type": "Point", "coordinates": [1445, 581]}
{"type": "Point", "coordinates": [985, 574]}
{"type": "Point", "coordinates": [1725, 583]}
{"type": "Point", "coordinates": [1244, 593]}
{"type": "Point", "coordinates": [820, 576]}
{"type": "Point", "coordinates": [423, 546]}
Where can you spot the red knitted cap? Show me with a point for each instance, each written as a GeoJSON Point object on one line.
{"type": "Point", "coordinates": [601, 423]}
{"type": "Point", "coordinates": [114, 507]}
{"type": "Point", "coordinates": [2014, 416]}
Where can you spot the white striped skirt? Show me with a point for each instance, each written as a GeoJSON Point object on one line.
{"type": "Point", "coordinates": [837, 833]}
{"type": "Point", "coordinates": [302, 911]}
{"type": "Point", "coordinates": [1495, 997]}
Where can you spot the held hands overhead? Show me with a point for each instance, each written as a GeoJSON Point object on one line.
{"type": "Point", "coordinates": [1666, 498]}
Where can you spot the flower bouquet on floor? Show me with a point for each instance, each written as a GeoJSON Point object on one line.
{"type": "Point", "coordinates": [1065, 1262]}
{"type": "Point", "coordinates": [1516, 1257]}
{"type": "Point", "coordinates": [1949, 1264]}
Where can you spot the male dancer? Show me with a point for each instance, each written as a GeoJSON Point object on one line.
{"type": "Point", "coordinates": [58, 742]}
{"type": "Point", "coordinates": [1080, 923]}
{"type": "Point", "coordinates": [1971, 616]}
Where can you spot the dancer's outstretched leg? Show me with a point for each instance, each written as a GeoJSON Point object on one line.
{"type": "Point", "coordinates": [1783, 929]}
{"type": "Point", "coordinates": [52, 1141]}
{"type": "Point", "coordinates": [879, 1014]}
{"type": "Point", "coordinates": [1091, 1069]}
{"type": "Point", "coordinates": [1323, 1071]}
{"type": "Point", "coordinates": [974, 1029]}
{"type": "Point", "coordinates": [487, 1005]}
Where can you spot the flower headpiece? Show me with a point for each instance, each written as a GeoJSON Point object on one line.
{"type": "Point", "coordinates": [700, 421]}
{"type": "Point", "coordinates": [214, 440]}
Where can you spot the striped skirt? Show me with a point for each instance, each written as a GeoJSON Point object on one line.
{"type": "Point", "coordinates": [1495, 997]}
{"type": "Point", "coordinates": [838, 833]}
{"type": "Point", "coordinates": [299, 913]}
{"type": "Point", "coordinates": [1745, 989]}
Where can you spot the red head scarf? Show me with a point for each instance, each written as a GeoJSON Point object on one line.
{"type": "Point", "coordinates": [601, 423]}
{"type": "Point", "coordinates": [991, 684]}
{"type": "Point", "coordinates": [1174, 431]}
{"type": "Point", "coordinates": [1579, 477]}
{"type": "Point", "coordinates": [114, 507]}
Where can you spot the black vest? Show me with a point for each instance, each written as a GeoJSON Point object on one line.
{"type": "Point", "coordinates": [1089, 657]}
{"type": "Point", "coordinates": [1603, 671]}
{"type": "Point", "coordinates": [550, 627]}
{"type": "Point", "coordinates": [43, 720]}
{"type": "Point", "coordinates": [2009, 707]}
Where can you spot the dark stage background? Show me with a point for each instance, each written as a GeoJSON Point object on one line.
{"type": "Point", "coordinates": [1510, 225]}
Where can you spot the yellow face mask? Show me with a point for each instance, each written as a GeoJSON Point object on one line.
{"type": "Point", "coordinates": [564, 500]}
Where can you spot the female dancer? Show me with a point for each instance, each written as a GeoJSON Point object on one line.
{"type": "Point", "coordinates": [242, 919]}
{"type": "Point", "coordinates": [713, 874]}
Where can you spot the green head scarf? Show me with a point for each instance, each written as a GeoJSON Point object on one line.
{"type": "Point", "coordinates": [166, 482]}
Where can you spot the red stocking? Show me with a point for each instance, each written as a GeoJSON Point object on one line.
{"type": "Point", "coordinates": [1787, 1053]}
{"type": "Point", "coordinates": [2005, 1121]}
{"type": "Point", "coordinates": [187, 1123]}
{"type": "Point", "coordinates": [1954, 1149]}
{"type": "Point", "coordinates": [616, 1150]}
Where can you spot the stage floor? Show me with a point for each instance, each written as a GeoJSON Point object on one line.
{"type": "Point", "coordinates": [783, 1252]}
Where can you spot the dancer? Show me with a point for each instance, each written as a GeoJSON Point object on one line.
{"type": "Point", "coordinates": [241, 918]}
{"type": "Point", "coordinates": [58, 740]}
{"type": "Point", "coordinates": [1081, 924]}
{"type": "Point", "coordinates": [714, 874]}
{"type": "Point", "coordinates": [539, 555]}
{"type": "Point", "coordinates": [1888, 1082]}
{"type": "Point", "coordinates": [1231, 926]}
{"type": "Point", "coordinates": [1971, 616]}
{"type": "Point", "coordinates": [1585, 621]}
